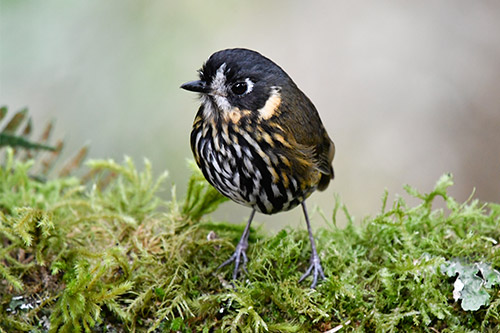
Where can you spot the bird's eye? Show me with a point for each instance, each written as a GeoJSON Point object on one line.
{"type": "Point", "coordinates": [239, 88]}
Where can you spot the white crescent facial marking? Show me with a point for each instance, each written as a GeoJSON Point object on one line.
{"type": "Point", "coordinates": [249, 86]}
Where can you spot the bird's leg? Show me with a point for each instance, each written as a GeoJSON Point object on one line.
{"type": "Point", "coordinates": [240, 251]}
{"type": "Point", "coordinates": [315, 265]}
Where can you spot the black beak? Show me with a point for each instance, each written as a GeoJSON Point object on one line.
{"type": "Point", "coordinates": [196, 86]}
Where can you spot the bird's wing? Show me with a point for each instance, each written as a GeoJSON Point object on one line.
{"type": "Point", "coordinates": [308, 132]}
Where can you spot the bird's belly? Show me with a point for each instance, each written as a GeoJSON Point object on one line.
{"type": "Point", "coordinates": [243, 175]}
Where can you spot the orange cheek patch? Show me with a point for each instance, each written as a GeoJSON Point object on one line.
{"type": "Point", "coordinates": [269, 109]}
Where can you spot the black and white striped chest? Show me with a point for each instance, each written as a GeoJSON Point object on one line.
{"type": "Point", "coordinates": [243, 167]}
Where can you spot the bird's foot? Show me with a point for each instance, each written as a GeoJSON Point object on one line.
{"type": "Point", "coordinates": [316, 270]}
{"type": "Point", "coordinates": [239, 257]}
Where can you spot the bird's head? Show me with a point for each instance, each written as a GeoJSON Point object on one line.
{"type": "Point", "coordinates": [240, 80]}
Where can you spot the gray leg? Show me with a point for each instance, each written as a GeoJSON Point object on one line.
{"type": "Point", "coordinates": [240, 251]}
{"type": "Point", "coordinates": [315, 266]}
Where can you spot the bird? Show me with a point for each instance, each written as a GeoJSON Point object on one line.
{"type": "Point", "coordinates": [259, 140]}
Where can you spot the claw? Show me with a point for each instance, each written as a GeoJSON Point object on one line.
{"type": "Point", "coordinates": [236, 257]}
{"type": "Point", "coordinates": [316, 269]}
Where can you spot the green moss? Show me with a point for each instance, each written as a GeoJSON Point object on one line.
{"type": "Point", "coordinates": [112, 256]}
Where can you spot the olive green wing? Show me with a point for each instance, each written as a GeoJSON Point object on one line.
{"type": "Point", "coordinates": [301, 119]}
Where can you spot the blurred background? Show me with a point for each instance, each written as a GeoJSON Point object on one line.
{"type": "Point", "coordinates": [408, 90]}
